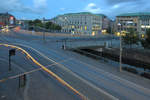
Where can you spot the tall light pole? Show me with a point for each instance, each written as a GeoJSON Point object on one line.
{"type": "Point", "coordinates": [111, 35]}
{"type": "Point", "coordinates": [119, 25]}
{"type": "Point", "coordinates": [65, 20]}
{"type": "Point", "coordinates": [44, 29]}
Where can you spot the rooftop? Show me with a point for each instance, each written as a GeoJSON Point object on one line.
{"type": "Point", "coordinates": [5, 14]}
{"type": "Point", "coordinates": [85, 13]}
{"type": "Point", "coordinates": [135, 14]}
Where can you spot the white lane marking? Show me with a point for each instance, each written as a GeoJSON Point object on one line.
{"type": "Point", "coordinates": [111, 75]}
{"type": "Point", "coordinates": [90, 84]}
{"type": "Point", "coordinates": [49, 71]}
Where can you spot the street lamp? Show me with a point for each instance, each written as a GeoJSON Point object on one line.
{"type": "Point", "coordinates": [44, 29]}
{"type": "Point", "coordinates": [119, 25]}
{"type": "Point", "coordinates": [69, 26]}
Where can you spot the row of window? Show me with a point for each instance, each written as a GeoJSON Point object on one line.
{"type": "Point", "coordinates": [126, 29]}
{"type": "Point", "coordinates": [76, 27]}
{"type": "Point", "coordinates": [77, 17]}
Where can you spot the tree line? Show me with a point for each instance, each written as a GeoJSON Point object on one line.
{"type": "Point", "coordinates": [35, 24]}
{"type": "Point", "coordinates": [133, 37]}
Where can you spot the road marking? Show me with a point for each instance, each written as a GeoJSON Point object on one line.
{"type": "Point", "coordinates": [112, 75]}
{"type": "Point", "coordinates": [90, 84]}
{"type": "Point", "coordinates": [48, 71]}
{"type": "Point", "coordinates": [32, 71]}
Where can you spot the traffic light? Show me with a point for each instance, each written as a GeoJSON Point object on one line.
{"type": "Point", "coordinates": [12, 52]}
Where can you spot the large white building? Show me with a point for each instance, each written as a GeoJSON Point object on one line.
{"type": "Point", "coordinates": [82, 23]}
{"type": "Point", "coordinates": [140, 22]}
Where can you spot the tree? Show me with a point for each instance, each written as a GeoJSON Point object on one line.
{"type": "Point", "coordinates": [146, 42]}
{"type": "Point", "coordinates": [37, 24]}
{"type": "Point", "coordinates": [58, 27]}
{"type": "Point", "coordinates": [48, 25]}
{"type": "Point", "coordinates": [131, 37]}
{"type": "Point", "coordinates": [30, 23]}
{"type": "Point", "coordinates": [109, 30]}
{"type": "Point", "coordinates": [52, 26]}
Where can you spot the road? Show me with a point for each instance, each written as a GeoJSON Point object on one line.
{"type": "Point", "coordinates": [94, 79]}
{"type": "Point", "coordinates": [40, 85]}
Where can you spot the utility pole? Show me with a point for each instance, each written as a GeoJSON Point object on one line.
{"type": "Point", "coordinates": [111, 35]}
{"type": "Point", "coordinates": [120, 52]}
{"type": "Point", "coordinates": [120, 67]}
{"type": "Point", "coordinates": [44, 30]}
{"type": "Point", "coordinates": [9, 63]}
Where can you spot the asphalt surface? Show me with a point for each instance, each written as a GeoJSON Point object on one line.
{"type": "Point", "coordinates": [39, 86]}
{"type": "Point", "coordinates": [95, 80]}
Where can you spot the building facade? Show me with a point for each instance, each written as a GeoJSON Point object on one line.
{"type": "Point", "coordinates": [140, 22]}
{"type": "Point", "coordinates": [7, 19]}
{"type": "Point", "coordinates": [81, 23]}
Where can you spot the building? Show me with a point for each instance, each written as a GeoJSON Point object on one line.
{"type": "Point", "coordinates": [138, 21]}
{"type": "Point", "coordinates": [7, 19]}
{"type": "Point", "coordinates": [82, 23]}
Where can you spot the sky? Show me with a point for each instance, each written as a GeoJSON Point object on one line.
{"type": "Point", "coordinates": [33, 9]}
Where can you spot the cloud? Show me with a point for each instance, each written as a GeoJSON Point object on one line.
{"type": "Point", "coordinates": [113, 8]}
{"type": "Point", "coordinates": [40, 3]}
{"type": "Point", "coordinates": [62, 9]}
{"type": "Point", "coordinates": [18, 6]}
{"type": "Point", "coordinates": [112, 2]}
{"type": "Point", "coordinates": [92, 7]}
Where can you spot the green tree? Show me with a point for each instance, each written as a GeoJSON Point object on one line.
{"type": "Point", "coordinates": [52, 26]}
{"type": "Point", "coordinates": [131, 37]}
{"type": "Point", "coordinates": [58, 27]}
{"type": "Point", "coordinates": [38, 23]}
{"type": "Point", "coordinates": [109, 30]}
{"type": "Point", "coordinates": [30, 23]}
{"type": "Point", "coordinates": [48, 25]}
{"type": "Point", "coordinates": [35, 23]}
{"type": "Point", "coordinates": [146, 42]}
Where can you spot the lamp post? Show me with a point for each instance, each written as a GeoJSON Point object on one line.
{"type": "Point", "coordinates": [119, 25]}
{"type": "Point", "coordinates": [111, 36]}
{"type": "Point", "coordinates": [44, 30]}
{"type": "Point", "coordinates": [69, 26]}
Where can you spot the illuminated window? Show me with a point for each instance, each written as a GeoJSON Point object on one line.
{"type": "Point", "coordinates": [93, 33]}
{"type": "Point", "coordinates": [81, 28]}
{"type": "Point", "coordinates": [73, 26]}
{"type": "Point", "coordinates": [85, 27]}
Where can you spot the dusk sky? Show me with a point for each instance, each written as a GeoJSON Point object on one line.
{"type": "Point", "coordinates": [32, 9]}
